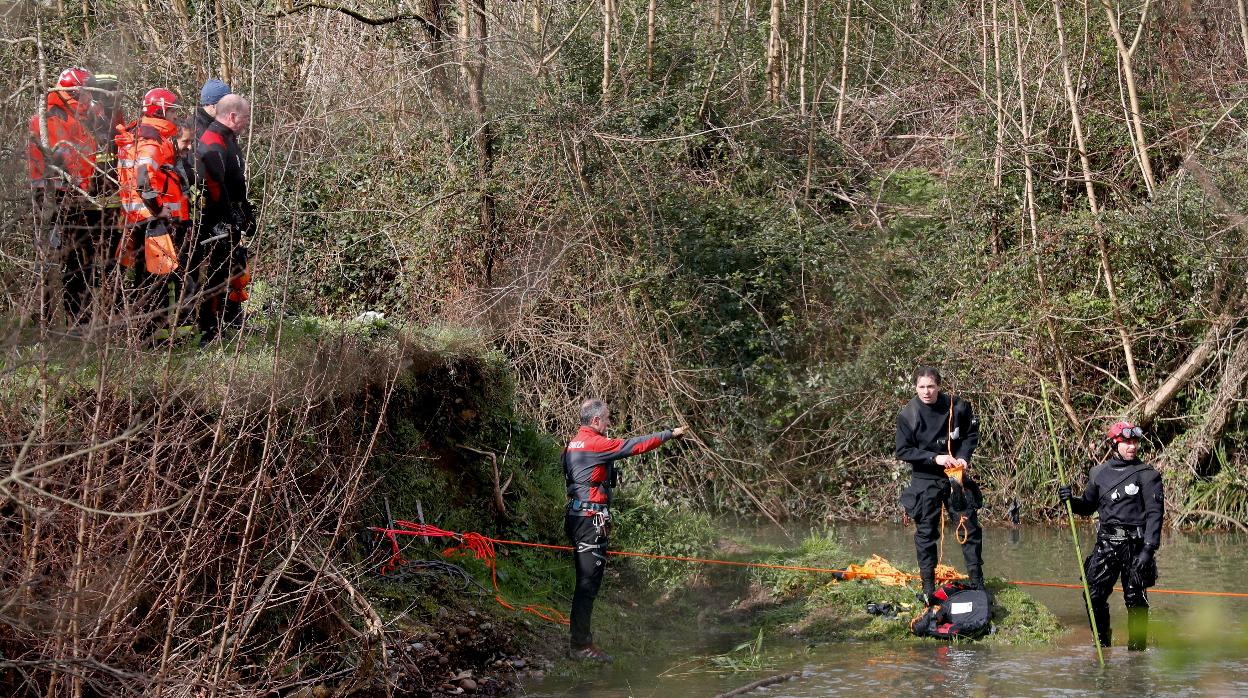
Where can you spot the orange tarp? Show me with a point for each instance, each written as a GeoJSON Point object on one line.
{"type": "Point", "coordinates": [884, 572]}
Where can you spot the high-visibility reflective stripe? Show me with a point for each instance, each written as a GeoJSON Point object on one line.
{"type": "Point", "coordinates": [146, 161]}
{"type": "Point", "coordinates": [132, 207]}
{"type": "Point", "coordinates": [173, 206]}
{"type": "Point", "coordinates": [125, 163]}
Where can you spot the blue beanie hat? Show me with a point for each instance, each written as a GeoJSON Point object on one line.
{"type": "Point", "coordinates": [212, 92]}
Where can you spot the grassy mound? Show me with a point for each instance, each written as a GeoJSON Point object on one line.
{"type": "Point", "coordinates": [817, 606]}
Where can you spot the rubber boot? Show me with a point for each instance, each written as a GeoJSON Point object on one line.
{"type": "Point", "coordinates": [1137, 628]}
{"type": "Point", "coordinates": [929, 586]}
{"type": "Point", "coordinates": [975, 577]}
{"type": "Point", "coordinates": [1103, 630]}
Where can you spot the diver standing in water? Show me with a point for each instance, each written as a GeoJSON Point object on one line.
{"type": "Point", "coordinates": [1128, 495]}
{"type": "Point", "coordinates": [936, 435]}
{"type": "Point", "coordinates": [589, 470]}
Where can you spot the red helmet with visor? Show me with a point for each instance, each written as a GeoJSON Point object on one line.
{"type": "Point", "coordinates": [1124, 431]}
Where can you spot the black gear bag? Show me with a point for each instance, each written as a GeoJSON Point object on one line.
{"type": "Point", "coordinates": [958, 612]}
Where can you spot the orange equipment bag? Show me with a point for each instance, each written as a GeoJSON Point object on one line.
{"type": "Point", "coordinates": [158, 251]}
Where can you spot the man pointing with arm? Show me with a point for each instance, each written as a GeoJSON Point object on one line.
{"type": "Point", "coordinates": [589, 470]}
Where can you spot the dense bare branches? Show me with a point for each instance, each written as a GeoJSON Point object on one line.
{"type": "Point", "coordinates": [648, 207]}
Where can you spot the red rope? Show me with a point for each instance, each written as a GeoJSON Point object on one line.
{"type": "Point", "coordinates": [482, 547]}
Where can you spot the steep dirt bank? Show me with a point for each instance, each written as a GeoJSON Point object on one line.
{"type": "Point", "coordinates": [189, 521]}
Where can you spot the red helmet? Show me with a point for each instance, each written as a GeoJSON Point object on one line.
{"type": "Point", "coordinates": [1124, 431]}
{"type": "Point", "coordinates": [157, 100]}
{"type": "Point", "coordinates": [72, 78]}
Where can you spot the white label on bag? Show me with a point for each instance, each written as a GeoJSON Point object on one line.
{"type": "Point", "coordinates": [958, 609]}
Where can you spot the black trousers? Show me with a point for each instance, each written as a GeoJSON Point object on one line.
{"type": "Point", "coordinates": [72, 233]}
{"type": "Point", "coordinates": [589, 555]}
{"type": "Point", "coordinates": [922, 499]}
{"type": "Point", "coordinates": [212, 265]}
{"type": "Point", "coordinates": [1112, 558]}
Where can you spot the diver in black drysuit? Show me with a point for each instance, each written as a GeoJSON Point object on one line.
{"type": "Point", "coordinates": [923, 440]}
{"type": "Point", "coordinates": [1129, 497]}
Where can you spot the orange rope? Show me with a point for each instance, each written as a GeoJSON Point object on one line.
{"type": "Point", "coordinates": [940, 547]}
{"type": "Point", "coordinates": [482, 547]}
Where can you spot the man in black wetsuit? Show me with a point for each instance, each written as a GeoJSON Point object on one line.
{"type": "Point", "coordinates": [1128, 495]}
{"type": "Point", "coordinates": [937, 435]}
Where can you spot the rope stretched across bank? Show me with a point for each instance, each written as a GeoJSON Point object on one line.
{"type": "Point", "coordinates": [482, 547]}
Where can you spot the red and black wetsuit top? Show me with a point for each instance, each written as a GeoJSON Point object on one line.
{"type": "Point", "coordinates": [589, 464]}
{"type": "Point", "coordinates": [220, 169]}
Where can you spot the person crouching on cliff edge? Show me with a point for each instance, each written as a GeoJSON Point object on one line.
{"type": "Point", "coordinates": [589, 470]}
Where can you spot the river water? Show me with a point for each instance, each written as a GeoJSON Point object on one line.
{"type": "Point", "coordinates": [1203, 641]}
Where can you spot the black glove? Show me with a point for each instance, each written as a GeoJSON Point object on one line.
{"type": "Point", "coordinates": [152, 200]}
{"type": "Point", "coordinates": [1063, 494]}
{"type": "Point", "coordinates": [1143, 572]}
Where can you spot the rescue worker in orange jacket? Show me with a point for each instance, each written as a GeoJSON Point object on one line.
{"type": "Point", "coordinates": [60, 165]}
{"type": "Point", "coordinates": [153, 198]}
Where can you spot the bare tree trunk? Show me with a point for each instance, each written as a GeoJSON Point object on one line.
{"type": "Point", "coordinates": [1190, 366]}
{"type": "Point", "coordinates": [840, 98]}
{"type": "Point", "coordinates": [223, 44]}
{"type": "Point", "coordinates": [1199, 446]}
{"type": "Point", "coordinates": [184, 17]}
{"type": "Point", "coordinates": [803, 58]}
{"type": "Point", "coordinates": [651, 11]}
{"type": "Point", "coordinates": [435, 12]}
{"type": "Point", "coordinates": [1072, 101]}
{"type": "Point", "coordinates": [773, 52]}
{"type": "Point", "coordinates": [473, 34]}
{"type": "Point", "coordinates": [810, 57]}
{"type": "Point", "coordinates": [41, 210]}
{"type": "Point", "coordinates": [1125, 55]}
{"type": "Point", "coordinates": [608, 30]}
{"type": "Point", "coordinates": [998, 154]}
{"type": "Point", "coordinates": [61, 15]}
{"type": "Point", "coordinates": [1034, 225]}
{"type": "Point", "coordinates": [1243, 26]}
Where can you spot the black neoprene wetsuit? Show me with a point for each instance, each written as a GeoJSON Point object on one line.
{"type": "Point", "coordinates": [923, 433]}
{"type": "Point", "coordinates": [1129, 498]}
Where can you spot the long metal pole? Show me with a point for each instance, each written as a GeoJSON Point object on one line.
{"type": "Point", "coordinates": [1070, 513]}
